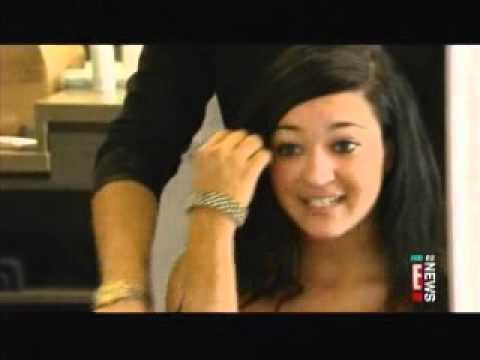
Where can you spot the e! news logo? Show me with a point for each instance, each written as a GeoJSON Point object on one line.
{"type": "Point", "coordinates": [423, 278]}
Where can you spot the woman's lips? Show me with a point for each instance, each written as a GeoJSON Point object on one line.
{"type": "Point", "coordinates": [321, 204]}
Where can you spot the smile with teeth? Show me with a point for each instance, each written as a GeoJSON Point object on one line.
{"type": "Point", "coordinates": [321, 202]}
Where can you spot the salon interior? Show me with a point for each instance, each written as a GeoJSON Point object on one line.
{"type": "Point", "coordinates": [56, 104]}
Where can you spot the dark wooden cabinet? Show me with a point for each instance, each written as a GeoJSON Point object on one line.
{"type": "Point", "coordinates": [45, 212]}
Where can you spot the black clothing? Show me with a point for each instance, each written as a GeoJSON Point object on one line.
{"type": "Point", "coordinates": [165, 102]}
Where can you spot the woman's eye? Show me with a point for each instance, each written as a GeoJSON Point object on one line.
{"type": "Point", "coordinates": [344, 146]}
{"type": "Point", "coordinates": [287, 149]}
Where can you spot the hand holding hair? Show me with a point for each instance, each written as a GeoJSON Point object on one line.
{"type": "Point", "coordinates": [230, 163]}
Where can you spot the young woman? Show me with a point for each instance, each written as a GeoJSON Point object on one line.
{"type": "Point", "coordinates": [351, 190]}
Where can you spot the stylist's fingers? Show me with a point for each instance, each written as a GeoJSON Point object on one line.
{"type": "Point", "coordinates": [230, 163]}
{"type": "Point", "coordinates": [249, 146]}
{"type": "Point", "coordinates": [226, 140]}
{"type": "Point", "coordinates": [214, 139]}
{"type": "Point", "coordinates": [232, 139]}
{"type": "Point", "coordinates": [258, 162]}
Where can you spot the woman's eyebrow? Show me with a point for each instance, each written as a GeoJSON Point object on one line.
{"type": "Point", "coordinates": [334, 126]}
{"type": "Point", "coordinates": [342, 124]}
{"type": "Point", "coordinates": [288, 127]}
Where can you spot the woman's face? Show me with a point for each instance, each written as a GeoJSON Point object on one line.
{"type": "Point", "coordinates": [328, 163]}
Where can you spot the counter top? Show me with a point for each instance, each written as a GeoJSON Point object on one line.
{"type": "Point", "coordinates": [47, 296]}
{"type": "Point", "coordinates": [79, 106]}
{"type": "Point", "coordinates": [66, 107]}
{"type": "Point", "coordinates": [83, 98]}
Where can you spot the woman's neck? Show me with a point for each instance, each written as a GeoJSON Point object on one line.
{"type": "Point", "coordinates": [329, 264]}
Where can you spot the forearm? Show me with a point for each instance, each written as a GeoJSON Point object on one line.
{"type": "Point", "coordinates": [209, 281]}
{"type": "Point", "coordinates": [124, 215]}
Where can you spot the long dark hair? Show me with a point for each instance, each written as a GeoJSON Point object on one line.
{"type": "Point", "coordinates": [409, 211]}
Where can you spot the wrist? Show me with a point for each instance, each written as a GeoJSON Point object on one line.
{"type": "Point", "coordinates": [210, 232]}
{"type": "Point", "coordinates": [219, 202]}
{"type": "Point", "coordinates": [131, 269]}
{"type": "Point", "coordinates": [114, 292]}
{"type": "Point", "coordinates": [211, 219]}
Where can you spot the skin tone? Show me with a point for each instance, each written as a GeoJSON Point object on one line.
{"type": "Point", "coordinates": [331, 147]}
{"type": "Point", "coordinates": [327, 171]}
{"type": "Point", "coordinates": [204, 279]}
{"type": "Point", "coordinates": [126, 232]}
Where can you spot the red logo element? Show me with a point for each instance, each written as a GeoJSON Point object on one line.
{"type": "Point", "coordinates": [417, 296]}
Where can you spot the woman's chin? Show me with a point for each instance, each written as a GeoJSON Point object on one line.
{"type": "Point", "coordinates": [325, 235]}
{"type": "Point", "coordinates": [329, 232]}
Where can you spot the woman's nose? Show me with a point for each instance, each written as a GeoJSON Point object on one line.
{"type": "Point", "coordinates": [319, 168]}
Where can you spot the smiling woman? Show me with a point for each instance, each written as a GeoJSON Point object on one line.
{"type": "Point", "coordinates": [351, 193]}
{"type": "Point", "coordinates": [331, 179]}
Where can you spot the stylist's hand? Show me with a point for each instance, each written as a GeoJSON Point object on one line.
{"type": "Point", "coordinates": [230, 162]}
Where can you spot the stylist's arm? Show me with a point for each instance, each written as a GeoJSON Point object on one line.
{"type": "Point", "coordinates": [204, 278]}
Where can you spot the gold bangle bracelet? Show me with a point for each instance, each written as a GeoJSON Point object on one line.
{"type": "Point", "coordinates": [113, 292]}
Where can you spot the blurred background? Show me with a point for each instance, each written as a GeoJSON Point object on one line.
{"type": "Point", "coordinates": [53, 117]}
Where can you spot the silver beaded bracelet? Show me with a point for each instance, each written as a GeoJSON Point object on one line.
{"type": "Point", "coordinates": [221, 202]}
